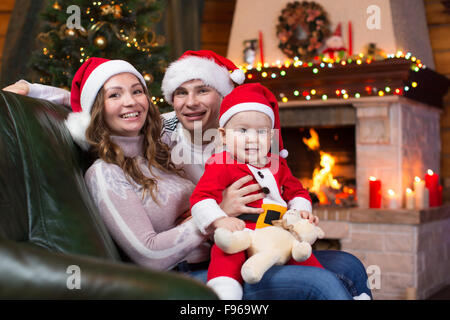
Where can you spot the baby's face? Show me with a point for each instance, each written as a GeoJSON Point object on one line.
{"type": "Point", "coordinates": [247, 137]}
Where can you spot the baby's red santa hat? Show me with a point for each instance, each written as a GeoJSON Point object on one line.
{"type": "Point", "coordinates": [86, 84]}
{"type": "Point", "coordinates": [213, 69]}
{"type": "Point", "coordinates": [252, 97]}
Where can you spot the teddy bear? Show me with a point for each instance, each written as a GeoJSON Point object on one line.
{"type": "Point", "coordinates": [272, 245]}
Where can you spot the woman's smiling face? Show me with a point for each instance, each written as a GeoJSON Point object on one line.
{"type": "Point", "coordinates": [125, 105]}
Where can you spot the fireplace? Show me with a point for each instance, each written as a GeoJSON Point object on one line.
{"type": "Point", "coordinates": [390, 134]}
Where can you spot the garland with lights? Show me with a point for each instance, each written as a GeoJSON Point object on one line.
{"type": "Point", "coordinates": [266, 72]}
{"type": "Point", "coordinates": [307, 17]}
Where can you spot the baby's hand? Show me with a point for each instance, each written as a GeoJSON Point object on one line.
{"type": "Point", "coordinates": [308, 215]}
{"type": "Point", "coordinates": [229, 223]}
{"type": "Point", "coordinates": [293, 215]}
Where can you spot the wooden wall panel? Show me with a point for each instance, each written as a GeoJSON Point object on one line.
{"type": "Point", "coordinates": [439, 29]}
{"type": "Point", "coordinates": [216, 25]}
{"type": "Point", "coordinates": [442, 61]}
{"type": "Point", "coordinates": [435, 13]}
{"type": "Point", "coordinates": [6, 7]}
{"type": "Point", "coordinates": [440, 36]}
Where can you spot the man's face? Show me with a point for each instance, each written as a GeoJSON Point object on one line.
{"type": "Point", "coordinates": [194, 101]}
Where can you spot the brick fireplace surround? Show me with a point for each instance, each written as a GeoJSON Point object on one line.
{"type": "Point", "coordinates": [397, 138]}
{"type": "Point", "coordinates": [411, 247]}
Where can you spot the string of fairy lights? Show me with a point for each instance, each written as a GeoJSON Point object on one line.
{"type": "Point", "coordinates": [262, 72]}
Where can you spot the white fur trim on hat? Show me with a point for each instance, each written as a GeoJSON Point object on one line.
{"type": "Point", "coordinates": [192, 68]}
{"type": "Point", "coordinates": [100, 75]}
{"type": "Point", "coordinates": [247, 106]}
{"type": "Point", "coordinates": [77, 123]}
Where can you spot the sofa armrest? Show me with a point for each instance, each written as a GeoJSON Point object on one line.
{"type": "Point", "coordinates": [30, 272]}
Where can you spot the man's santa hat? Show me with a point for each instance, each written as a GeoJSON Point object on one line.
{"type": "Point", "coordinates": [213, 69]}
{"type": "Point", "coordinates": [86, 84]}
{"type": "Point", "coordinates": [252, 97]}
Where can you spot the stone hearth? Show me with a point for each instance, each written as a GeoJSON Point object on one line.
{"type": "Point", "coordinates": [411, 248]}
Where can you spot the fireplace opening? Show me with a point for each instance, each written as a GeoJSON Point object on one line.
{"type": "Point", "coordinates": [327, 244]}
{"type": "Point", "coordinates": [324, 160]}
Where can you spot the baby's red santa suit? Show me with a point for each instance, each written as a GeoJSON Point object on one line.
{"type": "Point", "coordinates": [283, 191]}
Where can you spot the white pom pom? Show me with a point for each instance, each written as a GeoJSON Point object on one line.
{"type": "Point", "coordinates": [284, 153]}
{"type": "Point", "coordinates": [238, 76]}
{"type": "Point", "coordinates": [77, 123]}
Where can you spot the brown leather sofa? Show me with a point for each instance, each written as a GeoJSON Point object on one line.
{"type": "Point", "coordinates": [49, 223]}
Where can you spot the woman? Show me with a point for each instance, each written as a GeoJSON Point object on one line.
{"type": "Point", "coordinates": [139, 192]}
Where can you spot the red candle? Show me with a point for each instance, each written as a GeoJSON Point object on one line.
{"type": "Point", "coordinates": [261, 48]}
{"type": "Point", "coordinates": [350, 43]}
{"type": "Point", "coordinates": [440, 195]}
{"type": "Point", "coordinates": [432, 184]}
{"type": "Point", "coordinates": [374, 193]}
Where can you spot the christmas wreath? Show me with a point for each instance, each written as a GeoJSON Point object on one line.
{"type": "Point", "coordinates": [302, 28]}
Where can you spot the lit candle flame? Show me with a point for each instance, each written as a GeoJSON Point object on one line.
{"type": "Point", "coordinates": [417, 179]}
{"type": "Point", "coordinates": [373, 179]}
{"type": "Point", "coordinates": [408, 190]}
{"type": "Point", "coordinates": [430, 172]}
{"type": "Point", "coordinates": [391, 192]}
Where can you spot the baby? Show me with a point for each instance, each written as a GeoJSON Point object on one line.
{"type": "Point", "coordinates": [249, 121]}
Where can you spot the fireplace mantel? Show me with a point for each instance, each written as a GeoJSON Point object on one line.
{"type": "Point", "coordinates": [354, 78]}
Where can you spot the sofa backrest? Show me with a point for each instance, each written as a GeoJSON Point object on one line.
{"type": "Point", "coordinates": [43, 197]}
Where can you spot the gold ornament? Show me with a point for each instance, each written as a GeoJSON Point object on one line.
{"type": "Point", "coordinates": [148, 77]}
{"type": "Point", "coordinates": [100, 42]}
{"type": "Point", "coordinates": [70, 32]}
{"type": "Point", "coordinates": [56, 6]}
{"type": "Point", "coordinates": [115, 10]}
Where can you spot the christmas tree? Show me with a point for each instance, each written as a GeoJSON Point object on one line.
{"type": "Point", "coordinates": [75, 30]}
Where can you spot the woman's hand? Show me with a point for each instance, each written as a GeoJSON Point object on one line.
{"type": "Point", "coordinates": [230, 223]}
{"type": "Point", "coordinates": [235, 198]}
{"type": "Point", "coordinates": [20, 87]}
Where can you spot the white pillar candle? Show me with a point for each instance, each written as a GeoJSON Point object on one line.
{"type": "Point", "coordinates": [392, 200]}
{"type": "Point", "coordinates": [409, 196]}
{"type": "Point", "coordinates": [419, 193]}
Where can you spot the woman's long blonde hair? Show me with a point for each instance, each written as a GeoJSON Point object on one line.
{"type": "Point", "coordinates": [155, 151]}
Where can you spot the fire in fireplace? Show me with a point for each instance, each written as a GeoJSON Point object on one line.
{"type": "Point", "coordinates": [323, 159]}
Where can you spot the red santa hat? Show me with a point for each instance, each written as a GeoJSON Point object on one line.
{"type": "Point", "coordinates": [213, 69]}
{"type": "Point", "coordinates": [338, 31]}
{"type": "Point", "coordinates": [252, 97]}
{"type": "Point", "coordinates": [86, 84]}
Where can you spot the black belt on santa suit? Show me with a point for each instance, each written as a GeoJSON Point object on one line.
{"type": "Point", "coordinates": [271, 212]}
